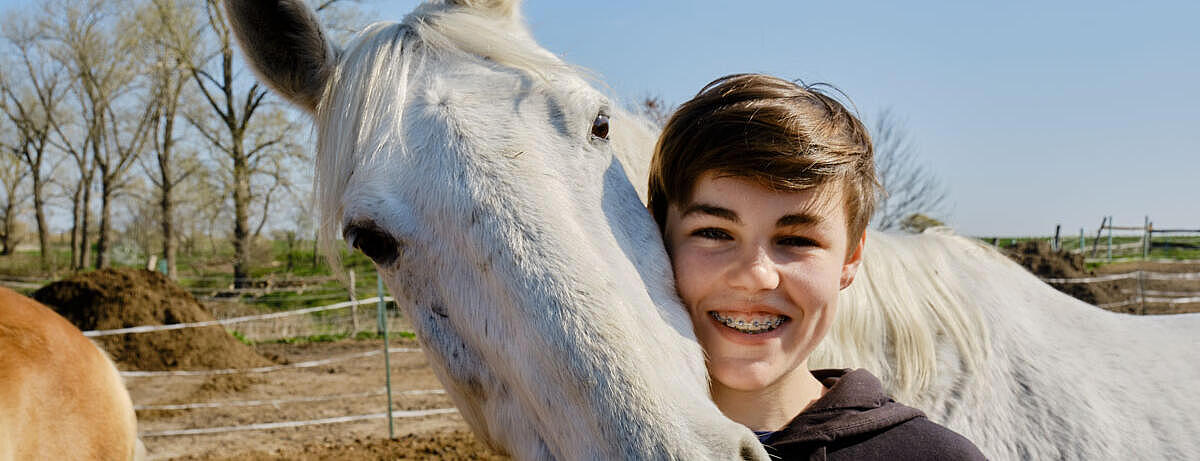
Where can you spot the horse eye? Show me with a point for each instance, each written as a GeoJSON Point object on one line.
{"type": "Point", "coordinates": [373, 242]}
{"type": "Point", "coordinates": [600, 126]}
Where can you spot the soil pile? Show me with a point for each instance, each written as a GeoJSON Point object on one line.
{"type": "Point", "coordinates": [1037, 257]}
{"type": "Point", "coordinates": [120, 298]}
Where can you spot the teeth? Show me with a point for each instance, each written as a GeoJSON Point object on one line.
{"type": "Point", "coordinates": [760, 323]}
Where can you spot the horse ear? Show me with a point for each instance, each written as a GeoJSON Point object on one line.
{"type": "Point", "coordinates": [509, 9]}
{"type": "Point", "coordinates": [285, 45]}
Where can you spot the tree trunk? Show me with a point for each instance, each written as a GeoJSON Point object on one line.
{"type": "Point", "coordinates": [9, 225]}
{"type": "Point", "coordinates": [75, 196]}
{"type": "Point", "coordinates": [85, 244]}
{"type": "Point", "coordinates": [168, 230]}
{"type": "Point", "coordinates": [291, 247]}
{"type": "Point", "coordinates": [102, 242]}
{"type": "Point", "coordinates": [40, 214]}
{"type": "Point", "coordinates": [241, 219]}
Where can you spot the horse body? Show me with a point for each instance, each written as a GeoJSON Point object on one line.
{"type": "Point", "coordinates": [456, 153]}
{"type": "Point", "coordinates": [60, 395]}
{"type": "Point", "coordinates": [958, 330]}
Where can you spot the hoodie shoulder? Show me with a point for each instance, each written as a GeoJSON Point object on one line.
{"type": "Point", "coordinates": [856, 420]}
{"type": "Point", "coordinates": [916, 439]}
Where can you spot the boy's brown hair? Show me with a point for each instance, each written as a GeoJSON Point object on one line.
{"type": "Point", "coordinates": [786, 136]}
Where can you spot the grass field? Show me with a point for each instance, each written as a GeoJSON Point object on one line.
{"type": "Point", "coordinates": [1185, 247]}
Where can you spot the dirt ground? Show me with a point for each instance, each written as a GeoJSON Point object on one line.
{"type": "Point", "coordinates": [119, 298]}
{"type": "Point", "coordinates": [116, 299]}
{"type": "Point", "coordinates": [429, 437]}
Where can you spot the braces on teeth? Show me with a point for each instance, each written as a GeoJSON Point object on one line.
{"type": "Point", "coordinates": [752, 327]}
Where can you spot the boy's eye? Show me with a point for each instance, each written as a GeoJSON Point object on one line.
{"type": "Point", "coordinates": [798, 242]}
{"type": "Point", "coordinates": [712, 234]}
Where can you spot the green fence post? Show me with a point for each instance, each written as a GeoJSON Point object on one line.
{"type": "Point", "coordinates": [1082, 244]}
{"type": "Point", "coordinates": [387, 362]}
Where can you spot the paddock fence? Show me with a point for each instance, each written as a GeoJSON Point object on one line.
{"type": "Point", "coordinates": [1140, 286]}
{"type": "Point", "coordinates": [287, 302]}
{"type": "Point", "coordinates": [289, 313]}
{"type": "Point", "coordinates": [1130, 242]}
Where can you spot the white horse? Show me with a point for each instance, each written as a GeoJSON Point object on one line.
{"type": "Point", "coordinates": [484, 177]}
{"type": "Point", "coordinates": [473, 167]}
{"type": "Point", "coordinates": [60, 395]}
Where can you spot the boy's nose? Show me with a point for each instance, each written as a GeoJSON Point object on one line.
{"type": "Point", "coordinates": [756, 272]}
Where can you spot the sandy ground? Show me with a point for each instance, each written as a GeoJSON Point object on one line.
{"type": "Point", "coordinates": [443, 436]}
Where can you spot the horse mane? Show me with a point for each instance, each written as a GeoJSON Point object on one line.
{"type": "Point", "coordinates": [905, 308]}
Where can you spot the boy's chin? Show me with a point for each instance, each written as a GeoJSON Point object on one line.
{"type": "Point", "coordinates": [743, 375]}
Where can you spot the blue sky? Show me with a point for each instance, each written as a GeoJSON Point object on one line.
{"type": "Point", "coordinates": [1032, 113]}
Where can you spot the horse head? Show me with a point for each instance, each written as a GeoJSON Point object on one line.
{"type": "Point", "coordinates": [484, 178]}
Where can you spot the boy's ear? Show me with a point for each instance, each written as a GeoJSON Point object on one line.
{"type": "Point", "coordinates": [850, 268]}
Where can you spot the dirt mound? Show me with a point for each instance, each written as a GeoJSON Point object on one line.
{"type": "Point", "coordinates": [121, 298]}
{"type": "Point", "coordinates": [1046, 263]}
{"type": "Point", "coordinates": [451, 446]}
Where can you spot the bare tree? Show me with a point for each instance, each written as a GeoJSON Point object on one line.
{"type": "Point", "coordinates": [11, 180]}
{"type": "Point", "coordinates": [72, 136]}
{"type": "Point", "coordinates": [250, 142]}
{"type": "Point", "coordinates": [172, 28]}
{"type": "Point", "coordinates": [95, 44]}
{"type": "Point", "coordinates": [234, 109]}
{"type": "Point", "coordinates": [656, 110]}
{"type": "Point", "coordinates": [30, 102]}
{"type": "Point", "coordinates": [909, 186]}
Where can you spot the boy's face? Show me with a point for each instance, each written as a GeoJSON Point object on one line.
{"type": "Point", "coordinates": [760, 272]}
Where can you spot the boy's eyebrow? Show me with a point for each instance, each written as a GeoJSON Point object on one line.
{"type": "Point", "coordinates": [796, 219]}
{"type": "Point", "coordinates": [711, 210]}
{"type": "Point", "coordinates": [799, 219]}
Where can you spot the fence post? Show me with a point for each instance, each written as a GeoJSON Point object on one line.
{"type": "Point", "coordinates": [1057, 232]}
{"type": "Point", "coordinates": [1082, 244]}
{"type": "Point", "coordinates": [1141, 293]}
{"type": "Point", "coordinates": [354, 304]}
{"type": "Point", "coordinates": [1098, 234]}
{"type": "Point", "coordinates": [1110, 226]}
{"type": "Point", "coordinates": [1149, 239]}
{"type": "Point", "coordinates": [1146, 238]}
{"type": "Point", "coordinates": [387, 361]}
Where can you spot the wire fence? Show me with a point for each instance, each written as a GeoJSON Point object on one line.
{"type": "Point", "coordinates": [276, 308]}
{"type": "Point", "coordinates": [1142, 293]}
{"type": "Point", "coordinates": [282, 295]}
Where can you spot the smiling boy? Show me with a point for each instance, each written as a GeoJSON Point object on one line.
{"type": "Point", "coordinates": [763, 189]}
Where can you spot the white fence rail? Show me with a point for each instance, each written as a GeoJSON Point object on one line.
{"type": "Point", "coordinates": [289, 424]}
{"type": "Point", "coordinates": [230, 321]}
{"type": "Point", "coordinates": [1140, 295]}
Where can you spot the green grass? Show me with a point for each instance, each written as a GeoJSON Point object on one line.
{"type": "Point", "coordinates": [1177, 247]}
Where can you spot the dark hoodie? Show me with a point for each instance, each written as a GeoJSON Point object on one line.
{"type": "Point", "coordinates": [855, 420]}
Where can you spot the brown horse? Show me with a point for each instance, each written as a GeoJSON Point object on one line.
{"type": "Point", "coordinates": [60, 396]}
